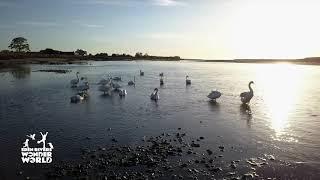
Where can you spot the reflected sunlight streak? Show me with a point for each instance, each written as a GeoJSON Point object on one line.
{"type": "Point", "coordinates": [280, 86]}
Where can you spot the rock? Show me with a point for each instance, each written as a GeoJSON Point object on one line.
{"type": "Point", "coordinates": [231, 173]}
{"type": "Point", "coordinates": [233, 166]}
{"type": "Point", "coordinates": [272, 158]}
{"type": "Point", "coordinates": [247, 176]}
{"type": "Point", "coordinates": [195, 145]}
{"type": "Point", "coordinates": [209, 151]}
{"type": "Point", "coordinates": [184, 165]}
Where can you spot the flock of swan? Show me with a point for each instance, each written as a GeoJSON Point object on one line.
{"type": "Point", "coordinates": [108, 85]}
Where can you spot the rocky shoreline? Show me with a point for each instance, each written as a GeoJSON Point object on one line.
{"type": "Point", "coordinates": [167, 156]}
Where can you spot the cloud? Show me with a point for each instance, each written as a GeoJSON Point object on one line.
{"type": "Point", "coordinates": [92, 25]}
{"type": "Point", "coordinates": [168, 3]}
{"type": "Point", "coordinates": [165, 35]}
{"type": "Point", "coordinates": [133, 2]}
{"type": "Point", "coordinates": [39, 24]}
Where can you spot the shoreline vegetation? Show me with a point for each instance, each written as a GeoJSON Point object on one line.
{"type": "Point", "coordinates": [10, 58]}
{"type": "Point", "coordinates": [54, 57]}
{"type": "Point", "coordinates": [23, 55]}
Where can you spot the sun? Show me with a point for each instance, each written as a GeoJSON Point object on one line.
{"type": "Point", "coordinates": [274, 29]}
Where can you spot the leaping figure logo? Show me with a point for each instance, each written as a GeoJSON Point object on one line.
{"type": "Point", "coordinates": [43, 140]}
{"type": "Point", "coordinates": [26, 144]}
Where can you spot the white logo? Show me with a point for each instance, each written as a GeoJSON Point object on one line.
{"type": "Point", "coordinates": [37, 155]}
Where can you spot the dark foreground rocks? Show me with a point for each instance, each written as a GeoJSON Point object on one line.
{"type": "Point", "coordinates": [168, 156]}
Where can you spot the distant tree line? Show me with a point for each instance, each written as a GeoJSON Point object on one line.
{"type": "Point", "coordinates": [20, 48]}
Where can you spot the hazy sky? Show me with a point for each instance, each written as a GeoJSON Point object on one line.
{"type": "Point", "coordinates": [212, 29]}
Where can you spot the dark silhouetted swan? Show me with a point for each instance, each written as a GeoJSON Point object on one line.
{"type": "Point", "coordinates": [77, 98]}
{"type": "Point", "coordinates": [154, 95]}
{"type": "Point", "coordinates": [247, 96]}
{"type": "Point", "coordinates": [141, 73]}
{"type": "Point", "coordinates": [132, 83]}
{"type": "Point", "coordinates": [188, 81]}
{"type": "Point", "coordinates": [161, 81]}
{"type": "Point", "coordinates": [214, 95]}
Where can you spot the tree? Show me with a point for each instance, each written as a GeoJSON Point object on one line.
{"type": "Point", "coordinates": [80, 52]}
{"type": "Point", "coordinates": [20, 44]}
{"type": "Point", "coordinates": [5, 51]}
{"type": "Point", "coordinates": [138, 55]}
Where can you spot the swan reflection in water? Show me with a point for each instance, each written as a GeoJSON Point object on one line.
{"type": "Point", "coordinates": [246, 113]}
{"type": "Point", "coordinates": [214, 106]}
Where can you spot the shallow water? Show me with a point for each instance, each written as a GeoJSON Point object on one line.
{"type": "Point", "coordinates": [284, 119]}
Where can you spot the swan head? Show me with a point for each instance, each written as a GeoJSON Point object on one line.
{"type": "Point", "coordinates": [251, 82]}
{"type": "Point", "coordinates": [156, 89]}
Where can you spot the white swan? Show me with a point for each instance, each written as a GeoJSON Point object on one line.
{"type": "Point", "coordinates": [74, 82]}
{"type": "Point", "coordinates": [188, 81]}
{"type": "Point", "coordinates": [161, 81]}
{"type": "Point", "coordinates": [116, 86]}
{"type": "Point", "coordinates": [141, 73]}
{"type": "Point", "coordinates": [83, 85]}
{"type": "Point", "coordinates": [104, 81]}
{"type": "Point", "coordinates": [132, 83]}
{"type": "Point", "coordinates": [105, 89]}
{"type": "Point", "coordinates": [122, 92]}
{"type": "Point", "coordinates": [247, 96]}
{"type": "Point", "coordinates": [214, 95]}
{"type": "Point", "coordinates": [154, 96]}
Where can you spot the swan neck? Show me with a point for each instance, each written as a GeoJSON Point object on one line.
{"type": "Point", "coordinates": [251, 90]}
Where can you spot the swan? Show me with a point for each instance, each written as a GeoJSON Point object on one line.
{"type": "Point", "coordinates": [154, 95]}
{"type": "Point", "coordinates": [188, 81]}
{"type": "Point", "coordinates": [116, 78]}
{"type": "Point", "coordinates": [116, 86]}
{"type": "Point", "coordinates": [104, 81]}
{"type": "Point", "coordinates": [132, 83]}
{"type": "Point", "coordinates": [83, 86]}
{"type": "Point", "coordinates": [141, 73]}
{"type": "Point", "coordinates": [74, 82]}
{"type": "Point", "coordinates": [161, 81]}
{"type": "Point", "coordinates": [77, 98]}
{"type": "Point", "coordinates": [214, 95]}
{"type": "Point", "coordinates": [247, 96]}
{"type": "Point", "coordinates": [105, 88]}
{"type": "Point", "coordinates": [122, 92]}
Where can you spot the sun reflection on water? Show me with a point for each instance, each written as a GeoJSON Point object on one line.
{"type": "Point", "coordinates": [280, 85]}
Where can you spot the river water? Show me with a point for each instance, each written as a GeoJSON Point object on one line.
{"type": "Point", "coordinates": [284, 120]}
